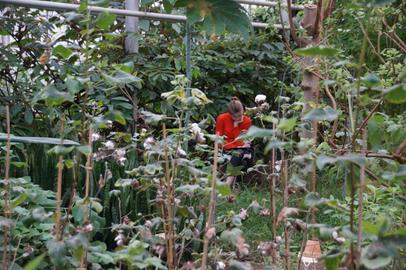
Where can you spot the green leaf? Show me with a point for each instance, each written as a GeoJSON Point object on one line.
{"type": "Point", "coordinates": [84, 149]}
{"type": "Point", "coordinates": [74, 86]}
{"type": "Point", "coordinates": [233, 170]}
{"type": "Point", "coordinates": [52, 96]}
{"type": "Point", "coordinates": [152, 118]}
{"type": "Point", "coordinates": [218, 16]}
{"type": "Point", "coordinates": [371, 80]}
{"type": "Point", "coordinates": [287, 124]}
{"type": "Point", "coordinates": [313, 199]}
{"type": "Point", "coordinates": [36, 140]}
{"type": "Point", "coordinates": [380, 3]}
{"type": "Point", "coordinates": [121, 78]}
{"type": "Point", "coordinates": [62, 51]}
{"type": "Point", "coordinates": [60, 150]}
{"type": "Point", "coordinates": [321, 114]}
{"type": "Point", "coordinates": [105, 20]}
{"type": "Point", "coordinates": [19, 200]}
{"type": "Point", "coordinates": [317, 51]}
{"type": "Point", "coordinates": [323, 160]}
{"type": "Point", "coordinates": [57, 253]}
{"type": "Point", "coordinates": [256, 132]}
{"type": "Point", "coordinates": [396, 94]}
{"type": "Point", "coordinates": [237, 265]}
{"type": "Point", "coordinates": [223, 188]}
{"type": "Point", "coordinates": [28, 116]}
{"type": "Point", "coordinates": [32, 265]}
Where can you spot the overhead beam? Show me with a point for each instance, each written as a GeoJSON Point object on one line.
{"type": "Point", "coordinates": [48, 5]}
{"type": "Point", "coordinates": [267, 4]}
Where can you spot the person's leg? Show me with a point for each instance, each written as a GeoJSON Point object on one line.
{"type": "Point", "coordinates": [236, 161]}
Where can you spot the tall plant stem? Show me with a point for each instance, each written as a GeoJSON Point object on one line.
{"type": "Point", "coordinates": [58, 227]}
{"type": "Point", "coordinates": [7, 210]}
{"type": "Point", "coordinates": [285, 177]}
{"type": "Point", "coordinates": [170, 234]}
{"type": "Point", "coordinates": [354, 146]}
{"type": "Point", "coordinates": [212, 206]}
{"type": "Point", "coordinates": [361, 191]}
{"type": "Point", "coordinates": [273, 201]}
{"type": "Point", "coordinates": [86, 203]}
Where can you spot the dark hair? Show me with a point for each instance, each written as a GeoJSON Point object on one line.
{"type": "Point", "coordinates": [235, 106]}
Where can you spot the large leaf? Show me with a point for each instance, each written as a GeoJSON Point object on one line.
{"type": "Point", "coordinates": [396, 94]}
{"type": "Point", "coordinates": [256, 132]}
{"type": "Point", "coordinates": [53, 96]}
{"type": "Point", "coordinates": [317, 51]}
{"type": "Point", "coordinates": [62, 51]}
{"type": "Point", "coordinates": [32, 265]}
{"type": "Point", "coordinates": [105, 20]}
{"type": "Point", "coordinates": [321, 114]}
{"type": "Point", "coordinates": [217, 15]}
{"type": "Point", "coordinates": [122, 78]}
{"type": "Point", "coordinates": [36, 140]}
{"type": "Point", "coordinates": [323, 160]}
{"type": "Point", "coordinates": [380, 3]}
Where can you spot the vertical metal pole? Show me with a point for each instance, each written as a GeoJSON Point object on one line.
{"type": "Point", "coordinates": [131, 27]}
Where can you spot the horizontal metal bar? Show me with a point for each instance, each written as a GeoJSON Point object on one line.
{"type": "Point", "coordinates": [267, 4]}
{"type": "Point", "coordinates": [140, 14]}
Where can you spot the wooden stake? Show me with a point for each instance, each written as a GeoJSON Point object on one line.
{"type": "Point", "coordinates": [7, 210]}
{"type": "Point", "coordinates": [361, 191]}
{"type": "Point", "coordinates": [212, 206]}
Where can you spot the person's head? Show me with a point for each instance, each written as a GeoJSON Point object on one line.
{"type": "Point", "coordinates": [236, 109]}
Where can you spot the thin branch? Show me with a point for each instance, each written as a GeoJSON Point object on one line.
{"type": "Point", "coordinates": [58, 232]}
{"type": "Point", "coordinates": [370, 43]}
{"type": "Point", "coordinates": [212, 207]}
{"type": "Point", "coordinates": [365, 121]}
{"type": "Point", "coordinates": [361, 192]}
{"type": "Point", "coordinates": [299, 41]}
{"type": "Point", "coordinates": [319, 18]}
{"type": "Point", "coordinates": [400, 148]}
{"type": "Point", "coordinates": [7, 210]}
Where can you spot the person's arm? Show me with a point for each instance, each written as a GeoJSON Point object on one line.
{"type": "Point", "coordinates": [220, 128]}
{"type": "Point", "coordinates": [245, 126]}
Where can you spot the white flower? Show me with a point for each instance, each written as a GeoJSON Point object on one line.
{"type": "Point", "coordinates": [195, 129]}
{"type": "Point", "coordinates": [109, 145]}
{"type": "Point", "coordinates": [210, 233]}
{"type": "Point", "coordinates": [143, 132]}
{"type": "Point", "coordinates": [120, 239]}
{"type": "Point", "coordinates": [243, 213]}
{"type": "Point", "coordinates": [220, 265]}
{"type": "Point", "coordinates": [181, 152]}
{"type": "Point", "coordinates": [95, 137]}
{"type": "Point", "coordinates": [121, 161]}
{"type": "Point", "coordinates": [109, 124]}
{"type": "Point", "coordinates": [148, 143]}
{"type": "Point", "coordinates": [260, 98]}
{"type": "Point", "coordinates": [88, 228]}
{"type": "Point", "coordinates": [197, 132]}
{"type": "Point", "coordinates": [120, 152]}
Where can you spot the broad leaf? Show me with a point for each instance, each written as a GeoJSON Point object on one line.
{"type": "Point", "coordinates": [321, 114]}
{"type": "Point", "coordinates": [62, 51]}
{"type": "Point", "coordinates": [122, 78]}
{"type": "Point", "coordinates": [287, 124]}
{"type": "Point", "coordinates": [323, 160]}
{"type": "Point", "coordinates": [105, 20]}
{"type": "Point", "coordinates": [317, 51]}
{"type": "Point", "coordinates": [32, 265]}
{"type": "Point", "coordinates": [217, 15]}
{"type": "Point", "coordinates": [396, 94]}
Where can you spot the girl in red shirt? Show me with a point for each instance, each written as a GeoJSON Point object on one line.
{"type": "Point", "coordinates": [231, 125]}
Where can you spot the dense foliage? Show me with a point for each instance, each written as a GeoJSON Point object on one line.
{"type": "Point", "coordinates": [112, 160]}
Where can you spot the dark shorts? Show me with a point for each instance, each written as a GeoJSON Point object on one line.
{"type": "Point", "coordinates": [242, 157]}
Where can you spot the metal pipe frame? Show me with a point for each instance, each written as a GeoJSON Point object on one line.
{"type": "Point", "coordinates": [121, 12]}
{"type": "Point", "coordinates": [267, 4]}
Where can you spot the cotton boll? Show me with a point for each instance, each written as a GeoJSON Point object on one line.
{"type": "Point", "coordinates": [260, 99]}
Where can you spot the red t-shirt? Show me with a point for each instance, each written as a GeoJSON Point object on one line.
{"type": "Point", "coordinates": [225, 127]}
